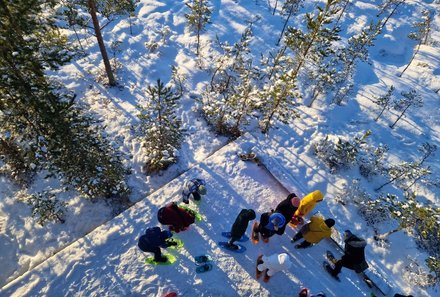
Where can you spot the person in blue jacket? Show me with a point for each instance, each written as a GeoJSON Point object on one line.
{"type": "Point", "coordinates": [153, 239]}
{"type": "Point", "coordinates": [194, 188]}
{"type": "Point", "coordinates": [270, 223]}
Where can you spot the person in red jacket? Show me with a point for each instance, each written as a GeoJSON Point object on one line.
{"type": "Point", "coordinates": [177, 218]}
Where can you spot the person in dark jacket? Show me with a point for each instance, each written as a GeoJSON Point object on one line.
{"type": "Point", "coordinates": [240, 225]}
{"type": "Point", "coordinates": [177, 218]}
{"type": "Point", "coordinates": [153, 239]}
{"type": "Point", "coordinates": [271, 223]}
{"type": "Point", "coordinates": [287, 208]}
{"type": "Point", "coordinates": [354, 254]}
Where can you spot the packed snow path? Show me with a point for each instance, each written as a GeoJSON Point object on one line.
{"type": "Point", "coordinates": [107, 262]}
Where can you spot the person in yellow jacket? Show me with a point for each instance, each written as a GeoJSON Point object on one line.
{"type": "Point", "coordinates": [314, 232]}
{"type": "Point", "coordinates": [306, 205]}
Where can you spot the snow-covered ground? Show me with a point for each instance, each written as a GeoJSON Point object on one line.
{"type": "Point", "coordinates": [106, 261]}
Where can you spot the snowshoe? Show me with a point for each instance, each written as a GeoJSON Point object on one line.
{"type": "Point", "coordinates": [244, 238]}
{"type": "Point", "coordinates": [170, 259]}
{"type": "Point", "coordinates": [204, 268]}
{"type": "Point", "coordinates": [200, 260]}
{"type": "Point", "coordinates": [329, 269]}
{"type": "Point", "coordinates": [177, 246]}
{"type": "Point", "coordinates": [248, 156]}
{"type": "Point", "coordinates": [227, 245]}
{"type": "Point", "coordinates": [259, 261]}
{"type": "Point", "coordinates": [255, 234]}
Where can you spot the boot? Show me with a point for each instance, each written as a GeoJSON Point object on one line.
{"type": "Point", "coordinates": [232, 246]}
{"type": "Point", "coordinates": [265, 239]}
{"type": "Point", "coordinates": [255, 234]}
{"type": "Point", "coordinates": [259, 261]}
{"type": "Point", "coordinates": [161, 259]}
{"type": "Point", "coordinates": [266, 276]}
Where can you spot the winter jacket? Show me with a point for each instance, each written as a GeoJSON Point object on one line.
{"type": "Point", "coordinates": [241, 222]}
{"type": "Point", "coordinates": [354, 253]}
{"type": "Point", "coordinates": [191, 186]}
{"type": "Point", "coordinates": [286, 208]}
{"type": "Point", "coordinates": [316, 230]}
{"type": "Point", "coordinates": [266, 226]}
{"type": "Point", "coordinates": [153, 238]}
{"type": "Point", "coordinates": [308, 203]}
{"type": "Point", "coordinates": [175, 216]}
{"type": "Point", "coordinates": [276, 262]}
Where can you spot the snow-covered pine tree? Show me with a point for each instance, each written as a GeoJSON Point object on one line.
{"type": "Point", "coordinates": [46, 207]}
{"type": "Point", "coordinates": [371, 161]}
{"type": "Point", "coordinates": [15, 162]}
{"type": "Point", "coordinates": [198, 18]}
{"type": "Point", "coordinates": [389, 4]}
{"type": "Point", "coordinates": [420, 34]}
{"type": "Point", "coordinates": [39, 115]}
{"type": "Point", "coordinates": [233, 87]}
{"type": "Point", "coordinates": [405, 173]}
{"type": "Point", "coordinates": [384, 101]}
{"type": "Point", "coordinates": [289, 8]}
{"type": "Point", "coordinates": [160, 127]}
{"type": "Point", "coordinates": [410, 99]}
{"type": "Point", "coordinates": [357, 49]}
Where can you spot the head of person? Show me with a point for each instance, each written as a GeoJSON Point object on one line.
{"type": "Point", "coordinates": [201, 190]}
{"type": "Point", "coordinates": [251, 214]}
{"type": "Point", "coordinates": [295, 201]}
{"type": "Point", "coordinates": [329, 222]}
{"type": "Point", "coordinates": [318, 196]}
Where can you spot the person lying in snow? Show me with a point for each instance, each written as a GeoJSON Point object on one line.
{"type": "Point", "coordinates": [270, 223]}
{"type": "Point", "coordinates": [153, 240]}
{"type": "Point", "coordinates": [272, 264]}
{"type": "Point", "coordinates": [305, 207]}
{"type": "Point", "coordinates": [194, 188]}
{"type": "Point", "coordinates": [240, 225]}
{"type": "Point", "coordinates": [314, 232]}
{"type": "Point", "coordinates": [354, 255]}
{"type": "Point", "coordinates": [287, 208]}
{"type": "Point", "coordinates": [177, 218]}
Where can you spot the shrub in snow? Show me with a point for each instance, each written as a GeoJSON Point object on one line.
{"type": "Point", "coordinates": [371, 161]}
{"type": "Point", "coordinates": [16, 162]}
{"type": "Point", "coordinates": [405, 174]}
{"type": "Point", "coordinates": [338, 154]}
{"type": "Point", "coordinates": [415, 274]}
{"type": "Point", "coordinates": [46, 207]}
{"type": "Point", "coordinates": [384, 101]}
{"type": "Point", "coordinates": [160, 127]}
{"type": "Point", "coordinates": [409, 99]}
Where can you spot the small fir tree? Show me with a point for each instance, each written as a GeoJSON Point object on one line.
{"type": "Point", "coordinates": [384, 101]}
{"type": "Point", "coordinates": [410, 99]}
{"type": "Point", "coordinates": [421, 35]}
{"type": "Point", "coordinates": [46, 207]}
{"type": "Point", "coordinates": [160, 127]}
{"type": "Point", "coordinates": [198, 18]}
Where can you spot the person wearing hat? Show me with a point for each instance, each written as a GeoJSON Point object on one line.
{"type": "Point", "coordinates": [153, 239]}
{"type": "Point", "coordinates": [177, 218]}
{"type": "Point", "coordinates": [354, 255]}
{"type": "Point", "coordinates": [287, 208]}
{"type": "Point", "coordinates": [270, 223]}
{"type": "Point", "coordinates": [314, 231]}
{"type": "Point", "coordinates": [272, 264]}
{"type": "Point", "coordinates": [194, 188]}
{"type": "Point", "coordinates": [240, 225]}
{"type": "Point", "coordinates": [305, 207]}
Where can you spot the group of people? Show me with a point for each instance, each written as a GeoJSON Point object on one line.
{"type": "Point", "coordinates": [291, 210]}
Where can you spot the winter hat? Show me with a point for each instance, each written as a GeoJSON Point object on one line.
{"type": "Point", "coordinates": [202, 190]}
{"type": "Point", "coordinates": [329, 222]}
{"type": "Point", "coordinates": [166, 234]}
{"type": "Point", "coordinates": [304, 293]}
{"type": "Point", "coordinates": [295, 201]}
{"type": "Point", "coordinates": [251, 214]}
{"type": "Point", "coordinates": [284, 260]}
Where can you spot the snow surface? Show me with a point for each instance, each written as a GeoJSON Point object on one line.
{"type": "Point", "coordinates": [79, 258]}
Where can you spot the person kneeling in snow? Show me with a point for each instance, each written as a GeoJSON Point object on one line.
{"type": "Point", "coordinates": [177, 218]}
{"type": "Point", "coordinates": [270, 223]}
{"type": "Point", "coordinates": [272, 264]}
{"type": "Point", "coordinates": [240, 225]}
{"type": "Point", "coordinates": [314, 232]}
{"type": "Point", "coordinates": [193, 188]}
{"type": "Point", "coordinates": [354, 254]}
{"type": "Point", "coordinates": [153, 240]}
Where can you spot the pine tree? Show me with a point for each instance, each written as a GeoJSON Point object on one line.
{"type": "Point", "coordinates": [45, 206]}
{"type": "Point", "coordinates": [290, 7]}
{"type": "Point", "coordinates": [410, 99]}
{"type": "Point", "coordinates": [405, 172]}
{"type": "Point", "coordinates": [421, 35]}
{"type": "Point", "coordinates": [357, 49]}
{"type": "Point", "coordinates": [198, 18]}
{"type": "Point", "coordinates": [160, 127]}
{"type": "Point", "coordinates": [384, 101]}
{"type": "Point", "coordinates": [39, 115]}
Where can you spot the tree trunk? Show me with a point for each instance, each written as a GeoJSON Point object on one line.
{"type": "Point", "coordinates": [385, 235]}
{"type": "Point", "coordinates": [342, 12]}
{"type": "Point", "coordinates": [284, 27]}
{"type": "Point", "coordinates": [383, 109]}
{"type": "Point", "coordinates": [400, 116]}
{"type": "Point", "coordinates": [415, 53]}
{"type": "Point", "coordinates": [275, 7]}
{"type": "Point", "coordinates": [108, 68]}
